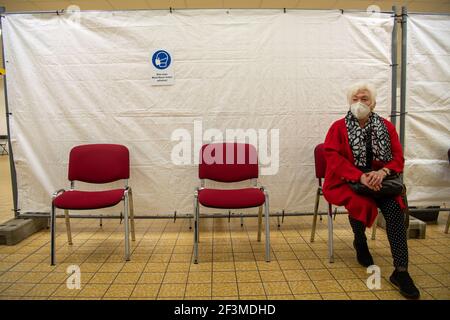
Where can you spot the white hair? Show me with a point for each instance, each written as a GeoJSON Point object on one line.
{"type": "Point", "coordinates": [360, 86]}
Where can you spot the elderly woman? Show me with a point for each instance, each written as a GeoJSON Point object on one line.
{"type": "Point", "coordinates": [364, 147]}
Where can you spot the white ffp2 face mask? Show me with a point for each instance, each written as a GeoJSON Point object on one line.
{"type": "Point", "coordinates": [360, 110]}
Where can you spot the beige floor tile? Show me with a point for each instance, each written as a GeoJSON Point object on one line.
{"type": "Point", "coordinates": [63, 291]}
{"type": "Point", "coordinates": [11, 277]}
{"type": "Point", "coordinates": [127, 278]}
{"type": "Point", "coordinates": [289, 265]}
{"type": "Point", "coordinates": [198, 290]}
{"type": "Point", "coordinates": [119, 291]}
{"type": "Point", "coordinates": [175, 277]}
{"type": "Point", "coordinates": [426, 281]}
{"type": "Point", "coordinates": [260, 297]}
{"type": "Point", "coordinates": [249, 289]}
{"type": "Point", "coordinates": [146, 291]}
{"type": "Point", "coordinates": [245, 266]}
{"type": "Point", "coordinates": [269, 276]}
{"type": "Point", "coordinates": [155, 267]}
{"type": "Point", "coordinates": [328, 286]}
{"type": "Point", "coordinates": [172, 291]}
{"type": "Point", "coordinates": [432, 269]}
{"type": "Point", "coordinates": [248, 276]}
{"type": "Point", "coordinates": [111, 267]}
{"type": "Point", "coordinates": [55, 277]}
{"type": "Point", "coordinates": [312, 264]}
{"type": "Point", "coordinates": [133, 267]}
{"type": "Point", "coordinates": [271, 266]}
{"type": "Point", "coordinates": [309, 296]}
{"type": "Point", "coordinates": [200, 267]}
{"type": "Point", "coordinates": [224, 276]}
{"type": "Point", "coordinates": [277, 288]}
{"type": "Point", "coordinates": [151, 277]}
{"type": "Point", "coordinates": [199, 277]}
{"type": "Point", "coordinates": [43, 290]}
{"type": "Point", "coordinates": [438, 293]}
{"type": "Point", "coordinates": [103, 278]}
{"type": "Point", "coordinates": [353, 285]}
{"type": "Point", "coordinates": [32, 277]}
{"type": "Point", "coordinates": [224, 289]}
{"type": "Point", "coordinates": [361, 295]}
{"type": "Point", "coordinates": [296, 275]}
{"type": "Point", "coordinates": [178, 267]}
{"type": "Point", "coordinates": [223, 266]}
{"type": "Point", "coordinates": [335, 296]}
{"type": "Point", "coordinates": [319, 274]}
{"type": "Point", "coordinates": [17, 290]}
{"type": "Point", "coordinates": [389, 295]}
{"type": "Point", "coordinates": [302, 287]}
{"type": "Point", "coordinates": [281, 297]}
{"type": "Point", "coordinates": [93, 291]}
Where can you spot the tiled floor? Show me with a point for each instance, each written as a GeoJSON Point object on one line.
{"type": "Point", "coordinates": [231, 263]}
{"type": "Point", "coordinates": [5, 190]}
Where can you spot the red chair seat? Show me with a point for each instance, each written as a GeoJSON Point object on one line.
{"type": "Point", "coordinates": [82, 200]}
{"type": "Point", "coordinates": [231, 199]}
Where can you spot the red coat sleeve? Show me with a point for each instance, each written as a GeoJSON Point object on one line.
{"type": "Point", "coordinates": [398, 161]}
{"type": "Point", "coordinates": [341, 166]}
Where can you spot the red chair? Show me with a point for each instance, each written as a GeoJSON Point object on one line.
{"type": "Point", "coordinates": [98, 164]}
{"type": "Point", "coordinates": [230, 162]}
{"type": "Point", "coordinates": [321, 167]}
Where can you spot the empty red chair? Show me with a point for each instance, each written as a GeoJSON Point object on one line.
{"type": "Point", "coordinates": [98, 164]}
{"type": "Point", "coordinates": [228, 163]}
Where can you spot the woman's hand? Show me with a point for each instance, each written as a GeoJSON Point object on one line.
{"type": "Point", "coordinates": [375, 178]}
{"type": "Point", "coordinates": [372, 180]}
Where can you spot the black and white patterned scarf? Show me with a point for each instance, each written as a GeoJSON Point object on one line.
{"type": "Point", "coordinates": [357, 136]}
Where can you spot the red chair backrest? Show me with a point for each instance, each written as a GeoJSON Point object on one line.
{"type": "Point", "coordinates": [320, 161]}
{"type": "Point", "coordinates": [99, 163]}
{"type": "Point", "coordinates": [228, 162]}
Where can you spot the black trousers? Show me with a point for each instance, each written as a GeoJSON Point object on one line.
{"type": "Point", "coordinates": [395, 229]}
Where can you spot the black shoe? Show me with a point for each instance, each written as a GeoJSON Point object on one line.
{"type": "Point", "coordinates": [403, 281]}
{"type": "Point", "coordinates": [362, 254]}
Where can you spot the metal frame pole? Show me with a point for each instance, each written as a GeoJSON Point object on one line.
{"type": "Point", "coordinates": [403, 78]}
{"type": "Point", "coordinates": [394, 66]}
{"type": "Point", "coordinates": [8, 127]}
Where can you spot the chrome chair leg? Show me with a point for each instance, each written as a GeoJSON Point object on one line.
{"type": "Point", "coordinates": [133, 233]}
{"type": "Point", "coordinates": [127, 226]}
{"type": "Point", "coordinates": [330, 233]}
{"type": "Point", "coordinates": [316, 209]}
{"type": "Point", "coordinates": [52, 236]}
{"type": "Point", "coordinates": [259, 222]}
{"type": "Point", "coordinates": [267, 229]}
{"type": "Point", "coordinates": [69, 231]}
{"type": "Point", "coordinates": [448, 223]}
{"type": "Point", "coordinates": [196, 227]}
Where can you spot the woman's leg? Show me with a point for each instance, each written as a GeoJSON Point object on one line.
{"type": "Point", "coordinates": [359, 230]}
{"type": "Point", "coordinates": [396, 232]}
{"type": "Point", "coordinates": [362, 250]}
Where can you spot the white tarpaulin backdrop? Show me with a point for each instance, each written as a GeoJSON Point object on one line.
{"type": "Point", "coordinates": [87, 80]}
{"type": "Point", "coordinates": [427, 136]}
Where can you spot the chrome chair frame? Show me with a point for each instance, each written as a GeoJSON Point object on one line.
{"type": "Point", "coordinates": [266, 219]}
{"type": "Point", "coordinates": [128, 217]}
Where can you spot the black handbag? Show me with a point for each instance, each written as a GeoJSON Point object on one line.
{"type": "Point", "coordinates": [391, 186]}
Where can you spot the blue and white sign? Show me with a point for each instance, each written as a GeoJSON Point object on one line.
{"type": "Point", "coordinates": [162, 74]}
{"type": "Point", "coordinates": [161, 59]}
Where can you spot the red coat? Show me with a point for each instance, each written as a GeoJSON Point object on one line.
{"type": "Point", "coordinates": [340, 167]}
